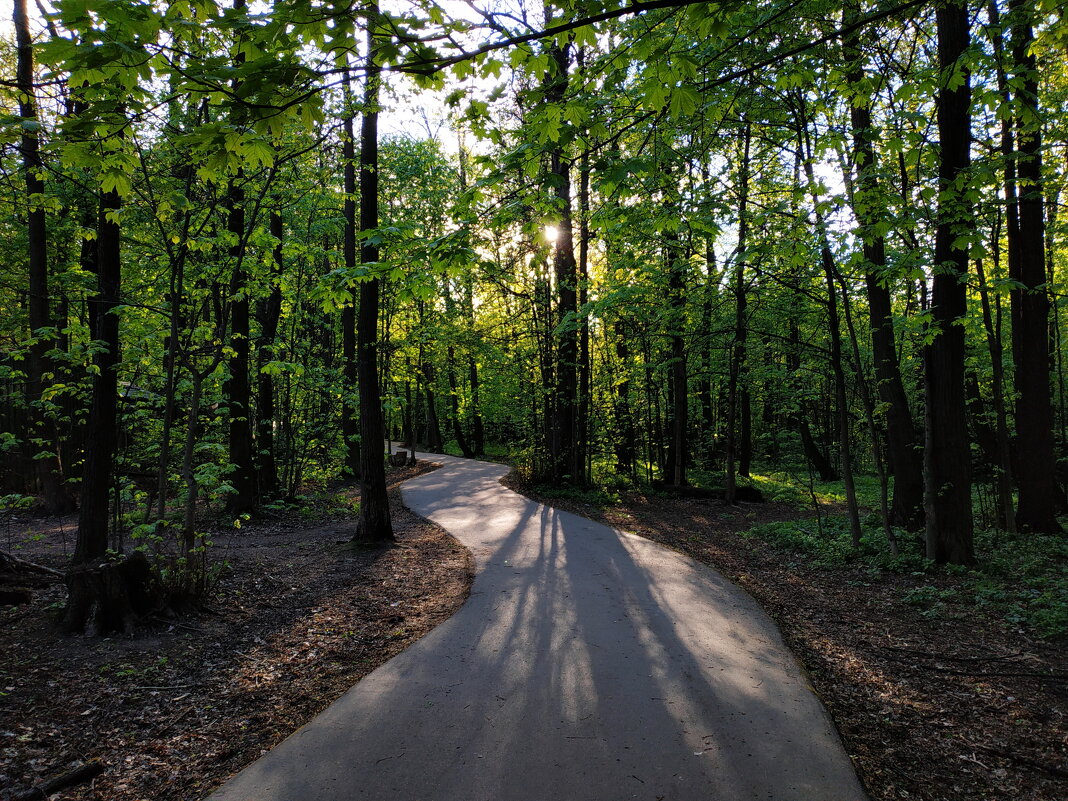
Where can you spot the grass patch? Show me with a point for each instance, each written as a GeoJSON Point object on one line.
{"type": "Point", "coordinates": [1023, 580]}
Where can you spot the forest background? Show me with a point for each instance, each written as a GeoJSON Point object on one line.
{"type": "Point", "coordinates": [699, 246]}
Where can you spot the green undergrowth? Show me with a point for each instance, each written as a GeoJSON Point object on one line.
{"type": "Point", "coordinates": [1022, 579]}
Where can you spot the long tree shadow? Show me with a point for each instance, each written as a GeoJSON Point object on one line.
{"type": "Point", "coordinates": [587, 664]}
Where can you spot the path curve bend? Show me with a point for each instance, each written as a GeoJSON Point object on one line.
{"type": "Point", "coordinates": [587, 665]}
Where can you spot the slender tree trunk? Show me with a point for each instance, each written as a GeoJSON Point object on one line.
{"type": "Point", "coordinates": [238, 389]}
{"type": "Point", "coordinates": [350, 409]}
{"type": "Point", "coordinates": [625, 433]}
{"type": "Point", "coordinates": [582, 426]}
{"type": "Point", "coordinates": [903, 448]}
{"type": "Point", "coordinates": [869, 415]}
{"type": "Point", "coordinates": [947, 455]}
{"type": "Point", "coordinates": [175, 294]}
{"type": "Point", "coordinates": [676, 463]}
{"type": "Point", "coordinates": [708, 422]}
{"type": "Point", "coordinates": [54, 495]}
{"type": "Point", "coordinates": [375, 522]}
{"type": "Point", "coordinates": [454, 406]}
{"type": "Point", "coordinates": [737, 359]}
{"type": "Point", "coordinates": [192, 432]}
{"type": "Point", "coordinates": [268, 312]}
{"type": "Point", "coordinates": [835, 330]}
{"type": "Point", "coordinates": [103, 433]}
{"type": "Point", "coordinates": [1003, 462]}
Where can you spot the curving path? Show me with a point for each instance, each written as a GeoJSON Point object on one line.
{"type": "Point", "coordinates": [588, 665]}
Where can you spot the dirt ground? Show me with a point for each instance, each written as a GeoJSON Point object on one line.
{"type": "Point", "coordinates": [953, 707]}
{"type": "Point", "coordinates": [297, 618]}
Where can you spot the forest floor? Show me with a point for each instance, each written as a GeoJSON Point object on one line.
{"type": "Point", "coordinates": [296, 618]}
{"type": "Point", "coordinates": [933, 702]}
{"type": "Point", "coordinates": [936, 703]}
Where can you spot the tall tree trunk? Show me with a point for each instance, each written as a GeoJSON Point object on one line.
{"type": "Point", "coordinates": [54, 495]}
{"type": "Point", "coordinates": [947, 455]}
{"type": "Point", "coordinates": [708, 290]}
{"type": "Point", "coordinates": [454, 405]}
{"type": "Point", "coordinates": [675, 474]}
{"type": "Point", "coordinates": [906, 462]}
{"type": "Point", "coordinates": [737, 357]}
{"type": "Point", "coordinates": [268, 312]}
{"type": "Point", "coordinates": [1038, 490]}
{"type": "Point", "coordinates": [564, 450]}
{"type": "Point", "coordinates": [625, 432]}
{"type": "Point", "coordinates": [238, 389]}
{"type": "Point", "coordinates": [350, 411]}
{"type": "Point", "coordinates": [1003, 462]}
{"type": "Point", "coordinates": [834, 327]}
{"type": "Point", "coordinates": [375, 522]}
{"type": "Point", "coordinates": [103, 432]}
{"type": "Point", "coordinates": [582, 426]}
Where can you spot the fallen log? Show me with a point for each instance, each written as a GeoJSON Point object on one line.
{"type": "Point", "coordinates": [9, 563]}
{"type": "Point", "coordinates": [78, 775]}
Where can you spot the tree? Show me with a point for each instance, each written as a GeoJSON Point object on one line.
{"type": "Point", "coordinates": [375, 523]}
{"type": "Point", "coordinates": [54, 494]}
{"type": "Point", "coordinates": [948, 498]}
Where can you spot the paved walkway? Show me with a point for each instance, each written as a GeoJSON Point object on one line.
{"type": "Point", "coordinates": [588, 665]}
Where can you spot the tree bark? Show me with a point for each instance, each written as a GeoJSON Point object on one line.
{"type": "Point", "coordinates": [624, 418]}
{"type": "Point", "coordinates": [238, 389]}
{"type": "Point", "coordinates": [1038, 490]}
{"type": "Point", "coordinates": [102, 434]}
{"type": "Point", "coordinates": [54, 495]}
{"type": "Point", "coordinates": [903, 449]}
{"type": "Point", "coordinates": [737, 357]}
{"type": "Point", "coordinates": [268, 313]}
{"type": "Point", "coordinates": [350, 429]}
{"type": "Point", "coordinates": [947, 456]}
{"type": "Point", "coordinates": [675, 475]}
{"type": "Point", "coordinates": [375, 522]}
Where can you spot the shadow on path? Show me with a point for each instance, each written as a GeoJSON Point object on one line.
{"type": "Point", "coordinates": [587, 664]}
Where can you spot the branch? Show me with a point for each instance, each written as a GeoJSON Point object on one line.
{"type": "Point", "coordinates": [433, 65]}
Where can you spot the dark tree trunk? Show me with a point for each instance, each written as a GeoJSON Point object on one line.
{"type": "Point", "coordinates": [350, 429]}
{"type": "Point", "coordinates": [737, 357]}
{"type": "Point", "coordinates": [54, 495]}
{"type": "Point", "coordinates": [1036, 475]}
{"type": "Point", "coordinates": [708, 422]}
{"type": "Point", "coordinates": [830, 270]}
{"type": "Point", "coordinates": [567, 460]}
{"type": "Point", "coordinates": [745, 431]}
{"type": "Point", "coordinates": [1001, 461]}
{"type": "Point", "coordinates": [238, 389]}
{"type": "Point", "coordinates": [675, 473]}
{"type": "Point", "coordinates": [435, 442]}
{"type": "Point", "coordinates": [903, 448]}
{"type": "Point", "coordinates": [625, 433]}
{"type": "Point", "coordinates": [582, 426]}
{"type": "Point", "coordinates": [454, 406]}
{"type": "Point", "coordinates": [87, 601]}
{"type": "Point", "coordinates": [375, 522]}
{"type": "Point", "coordinates": [268, 312]}
{"type": "Point", "coordinates": [947, 492]}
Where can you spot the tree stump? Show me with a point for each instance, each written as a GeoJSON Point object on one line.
{"type": "Point", "coordinates": [111, 595]}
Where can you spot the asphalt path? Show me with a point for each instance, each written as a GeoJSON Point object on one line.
{"type": "Point", "coordinates": [587, 665]}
